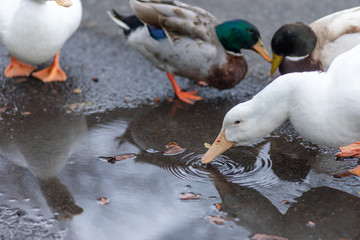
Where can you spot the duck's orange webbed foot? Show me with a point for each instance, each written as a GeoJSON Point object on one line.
{"type": "Point", "coordinates": [352, 150]}
{"type": "Point", "coordinates": [188, 97]}
{"type": "Point", "coordinates": [18, 69]}
{"type": "Point", "coordinates": [51, 73]}
{"type": "Point", "coordinates": [355, 171]}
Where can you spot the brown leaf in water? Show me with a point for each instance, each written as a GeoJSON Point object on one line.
{"type": "Point", "coordinates": [157, 99]}
{"type": "Point", "coordinates": [218, 220]}
{"type": "Point", "coordinates": [207, 145]}
{"type": "Point", "coordinates": [190, 196]}
{"type": "Point", "coordinates": [121, 157]}
{"type": "Point", "coordinates": [173, 149]}
{"type": "Point", "coordinates": [266, 237]}
{"type": "Point", "coordinates": [218, 206]}
{"type": "Point", "coordinates": [311, 224]}
{"type": "Point", "coordinates": [103, 200]}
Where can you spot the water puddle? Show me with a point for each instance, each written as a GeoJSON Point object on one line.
{"type": "Point", "coordinates": [51, 174]}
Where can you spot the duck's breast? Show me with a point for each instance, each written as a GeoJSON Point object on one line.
{"type": "Point", "coordinates": [39, 29]}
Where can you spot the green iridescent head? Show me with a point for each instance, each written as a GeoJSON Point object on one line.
{"type": "Point", "coordinates": [239, 34]}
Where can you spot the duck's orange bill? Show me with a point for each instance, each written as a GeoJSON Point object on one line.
{"type": "Point", "coordinates": [220, 145]}
{"type": "Point", "coordinates": [276, 61]}
{"type": "Point", "coordinates": [64, 3]}
{"type": "Point", "coordinates": [260, 49]}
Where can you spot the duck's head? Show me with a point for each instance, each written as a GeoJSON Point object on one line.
{"type": "Point", "coordinates": [239, 34]}
{"type": "Point", "coordinates": [294, 40]}
{"type": "Point", "coordinates": [240, 128]}
{"type": "Point", "coordinates": [64, 3]}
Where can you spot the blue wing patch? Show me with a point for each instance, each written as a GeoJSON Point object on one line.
{"type": "Point", "coordinates": [156, 33]}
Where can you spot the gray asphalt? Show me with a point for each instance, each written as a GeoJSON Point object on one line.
{"type": "Point", "coordinates": [99, 50]}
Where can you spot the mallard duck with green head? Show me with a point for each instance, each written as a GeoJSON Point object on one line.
{"type": "Point", "coordinates": [298, 47]}
{"type": "Point", "coordinates": [188, 41]}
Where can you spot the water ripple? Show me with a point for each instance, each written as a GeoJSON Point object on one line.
{"type": "Point", "coordinates": [190, 168]}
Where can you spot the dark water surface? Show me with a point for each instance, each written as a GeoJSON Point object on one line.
{"type": "Point", "coordinates": [51, 138]}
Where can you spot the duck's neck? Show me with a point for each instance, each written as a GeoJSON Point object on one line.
{"type": "Point", "coordinates": [293, 96]}
{"type": "Point", "coordinates": [271, 106]}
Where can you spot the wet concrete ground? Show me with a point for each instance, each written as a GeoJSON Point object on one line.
{"type": "Point", "coordinates": [51, 138]}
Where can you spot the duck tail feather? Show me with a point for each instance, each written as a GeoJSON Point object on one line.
{"type": "Point", "coordinates": [118, 19]}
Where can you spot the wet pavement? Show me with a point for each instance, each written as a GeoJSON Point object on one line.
{"type": "Point", "coordinates": [51, 138]}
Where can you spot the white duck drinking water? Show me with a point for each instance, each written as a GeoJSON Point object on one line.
{"type": "Point", "coordinates": [33, 31]}
{"type": "Point", "coordinates": [324, 107]}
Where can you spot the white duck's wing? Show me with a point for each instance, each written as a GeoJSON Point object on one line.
{"type": "Point", "coordinates": [177, 19]}
{"type": "Point", "coordinates": [345, 70]}
{"type": "Point", "coordinates": [338, 24]}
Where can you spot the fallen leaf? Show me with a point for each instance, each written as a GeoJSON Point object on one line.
{"type": "Point", "coordinates": [3, 109]}
{"type": "Point", "coordinates": [121, 157]}
{"type": "Point", "coordinates": [218, 220]}
{"type": "Point", "coordinates": [95, 79]}
{"type": "Point", "coordinates": [218, 206]}
{"type": "Point", "coordinates": [77, 90]}
{"type": "Point", "coordinates": [173, 149]}
{"type": "Point", "coordinates": [190, 196]}
{"type": "Point", "coordinates": [311, 224]}
{"type": "Point", "coordinates": [20, 80]}
{"type": "Point", "coordinates": [78, 106]}
{"type": "Point", "coordinates": [103, 200]}
{"type": "Point", "coordinates": [207, 145]}
{"type": "Point", "coordinates": [284, 202]}
{"type": "Point", "coordinates": [266, 237]}
{"type": "Point", "coordinates": [26, 113]}
{"type": "Point", "coordinates": [157, 99]}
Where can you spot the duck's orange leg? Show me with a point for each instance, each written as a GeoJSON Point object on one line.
{"type": "Point", "coordinates": [352, 150]}
{"type": "Point", "coordinates": [188, 97]}
{"type": "Point", "coordinates": [18, 69]}
{"type": "Point", "coordinates": [51, 73]}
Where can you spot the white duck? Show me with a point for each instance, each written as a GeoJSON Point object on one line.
{"type": "Point", "coordinates": [33, 31]}
{"type": "Point", "coordinates": [324, 107]}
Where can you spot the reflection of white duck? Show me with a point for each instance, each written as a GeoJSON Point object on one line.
{"type": "Point", "coordinates": [43, 143]}
{"type": "Point", "coordinates": [33, 31]}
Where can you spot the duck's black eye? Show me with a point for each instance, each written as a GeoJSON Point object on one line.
{"type": "Point", "coordinates": [250, 30]}
{"type": "Point", "coordinates": [237, 122]}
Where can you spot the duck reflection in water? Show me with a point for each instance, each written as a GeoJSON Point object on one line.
{"type": "Point", "coordinates": [277, 188]}
{"type": "Point", "coordinates": [42, 142]}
